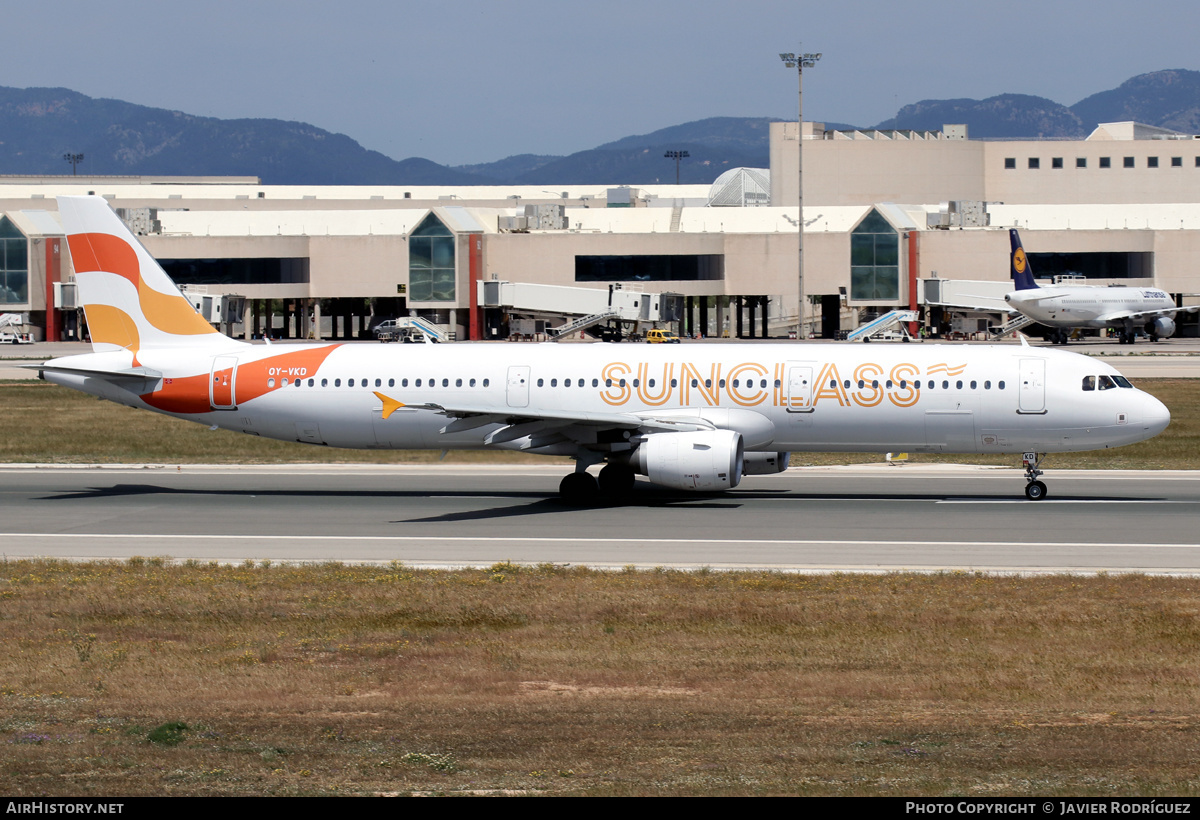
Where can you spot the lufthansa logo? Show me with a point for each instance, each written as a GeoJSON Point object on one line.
{"type": "Point", "coordinates": [1019, 260]}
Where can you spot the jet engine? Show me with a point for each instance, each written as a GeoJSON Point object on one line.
{"type": "Point", "coordinates": [703, 460]}
{"type": "Point", "coordinates": [1161, 328]}
{"type": "Point", "coordinates": [765, 463]}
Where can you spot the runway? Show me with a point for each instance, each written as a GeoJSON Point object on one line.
{"type": "Point", "coordinates": [865, 518]}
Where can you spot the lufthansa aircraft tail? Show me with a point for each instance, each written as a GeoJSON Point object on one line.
{"type": "Point", "coordinates": [1019, 268]}
{"type": "Point", "coordinates": [129, 300]}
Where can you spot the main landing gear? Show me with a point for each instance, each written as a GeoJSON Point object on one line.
{"type": "Point", "coordinates": [615, 481]}
{"type": "Point", "coordinates": [1034, 490]}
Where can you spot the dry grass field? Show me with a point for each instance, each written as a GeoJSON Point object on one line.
{"type": "Point", "coordinates": [150, 678]}
{"type": "Point", "coordinates": [45, 423]}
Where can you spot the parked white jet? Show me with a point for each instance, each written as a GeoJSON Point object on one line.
{"type": "Point", "coordinates": [688, 417]}
{"type": "Point", "coordinates": [1062, 307]}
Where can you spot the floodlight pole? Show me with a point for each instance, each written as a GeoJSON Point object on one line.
{"type": "Point", "coordinates": [677, 155]}
{"type": "Point", "coordinates": [800, 62]}
{"type": "Point", "coordinates": [74, 159]}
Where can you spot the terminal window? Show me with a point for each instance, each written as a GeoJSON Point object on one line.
{"type": "Point", "coordinates": [14, 264]}
{"type": "Point", "coordinates": [1056, 162]}
{"type": "Point", "coordinates": [1034, 163]}
{"type": "Point", "coordinates": [1080, 162]}
{"type": "Point", "coordinates": [1011, 162]}
{"type": "Point", "coordinates": [1176, 162]}
{"type": "Point", "coordinates": [1106, 162]}
{"type": "Point", "coordinates": [874, 261]}
{"type": "Point", "coordinates": [650, 268]}
{"type": "Point", "coordinates": [1129, 162]}
{"type": "Point", "coordinates": [1151, 162]}
{"type": "Point", "coordinates": [431, 262]}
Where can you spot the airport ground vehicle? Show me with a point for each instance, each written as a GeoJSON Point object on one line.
{"type": "Point", "coordinates": [657, 336]}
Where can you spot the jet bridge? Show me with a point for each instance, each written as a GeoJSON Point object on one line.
{"type": "Point", "coordinates": [621, 306]}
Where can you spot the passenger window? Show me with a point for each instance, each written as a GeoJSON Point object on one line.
{"type": "Point", "coordinates": [566, 382]}
{"type": "Point", "coordinates": [621, 383]}
{"type": "Point", "coordinates": [861, 384]}
{"type": "Point", "coordinates": [458, 382]}
{"type": "Point", "coordinates": [636, 383]}
{"type": "Point", "coordinates": [445, 382]}
{"type": "Point", "coordinates": [695, 382]}
{"type": "Point", "coordinates": [722, 383]}
{"type": "Point", "coordinates": [958, 384]}
{"type": "Point", "coordinates": [847, 384]}
{"type": "Point", "coordinates": [554, 383]}
{"type": "Point", "coordinates": [1089, 383]}
{"type": "Point", "coordinates": [674, 383]}
{"type": "Point", "coordinates": [324, 382]}
{"type": "Point", "coordinates": [736, 383]}
{"type": "Point", "coordinates": [391, 382]}
{"type": "Point", "coordinates": [708, 383]}
{"type": "Point", "coordinates": [472, 383]}
{"type": "Point", "coordinates": [987, 385]}
{"type": "Point", "coordinates": [888, 384]}
{"type": "Point", "coordinates": [762, 383]}
{"type": "Point", "coordinates": [297, 382]}
{"type": "Point", "coordinates": [270, 382]}
{"type": "Point", "coordinates": [311, 382]}
{"type": "Point", "coordinates": [973, 384]}
{"type": "Point", "coordinates": [404, 382]}
{"type": "Point", "coordinates": [486, 382]}
{"type": "Point", "coordinates": [418, 382]}
{"type": "Point", "coordinates": [540, 383]}
{"type": "Point", "coordinates": [595, 382]}
{"type": "Point", "coordinates": [378, 383]}
{"type": "Point", "coordinates": [874, 384]}
{"type": "Point", "coordinates": [608, 382]}
{"type": "Point", "coordinates": [348, 384]}
{"type": "Point", "coordinates": [1000, 385]}
{"type": "Point", "coordinates": [946, 385]}
{"type": "Point", "coordinates": [337, 382]}
{"type": "Point", "coordinates": [650, 383]}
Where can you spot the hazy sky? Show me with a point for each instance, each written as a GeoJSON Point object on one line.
{"type": "Point", "coordinates": [477, 80]}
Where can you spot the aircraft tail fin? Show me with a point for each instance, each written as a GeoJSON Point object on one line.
{"type": "Point", "coordinates": [129, 300]}
{"type": "Point", "coordinates": [1019, 268]}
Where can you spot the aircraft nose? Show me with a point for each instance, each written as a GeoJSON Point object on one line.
{"type": "Point", "coordinates": [1155, 415]}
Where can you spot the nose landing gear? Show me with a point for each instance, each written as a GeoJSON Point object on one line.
{"type": "Point", "coordinates": [1034, 490]}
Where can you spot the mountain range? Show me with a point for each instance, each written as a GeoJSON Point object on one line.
{"type": "Point", "coordinates": [39, 125]}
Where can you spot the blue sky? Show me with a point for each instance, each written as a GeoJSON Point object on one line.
{"type": "Point", "coordinates": [475, 81]}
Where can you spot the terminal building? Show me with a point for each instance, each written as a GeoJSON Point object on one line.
{"type": "Point", "coordinates": [891, 219]}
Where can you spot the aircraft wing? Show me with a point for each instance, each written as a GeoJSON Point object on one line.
{"type": "Point", "coordinates": [468, 418]}
{"type": "Point", "coordinates": [1146, 315]}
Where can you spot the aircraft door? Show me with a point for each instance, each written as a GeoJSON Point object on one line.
{"type": "Point", "coordinates": [1033, 386]}
{"type": "Point", "coordinates": [222, 386]}
{"type": "Point", "coordinates": [799, 388]}
{"type": "Point", "coordinates": [518, 386]}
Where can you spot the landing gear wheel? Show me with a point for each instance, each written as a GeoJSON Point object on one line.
{"type": "Point", "coordinates": [577, 488]}
{"type": "Point", "coordinates": [1034, 489]}
{"type": "Point", "coordinates": [616, 480]}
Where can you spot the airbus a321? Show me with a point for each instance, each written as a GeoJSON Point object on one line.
{"type": "Point", "coordinates": [689, 417]}
{"type": "Point", "coordinates": [1063, 307]}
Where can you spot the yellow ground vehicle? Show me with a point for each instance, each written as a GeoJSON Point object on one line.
{"type": "Point", "coordinates": [665, 337]}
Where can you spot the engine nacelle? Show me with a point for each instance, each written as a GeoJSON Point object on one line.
{"type": "Point", "coordinates": [764, 463]}
{"type": "Point", "coordinates": [704, 460]}
{"type": "Point", "coordinates": [1161, 328]}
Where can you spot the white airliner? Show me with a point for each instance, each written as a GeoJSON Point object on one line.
{"type": "Point", "coordinates": [690, 417]}
{"type": "Point", "coordinates": [1062, 307]}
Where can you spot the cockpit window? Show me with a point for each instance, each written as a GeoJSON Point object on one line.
{"type": "Point", "coordinates": [1089, 382]}
{"type": "Point", "coordinates": [1122, 382]}
{"type": "Point", "coordinates": [1106, 383]}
